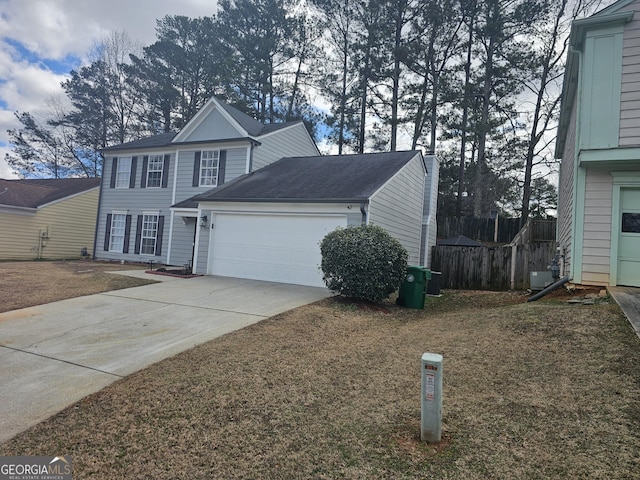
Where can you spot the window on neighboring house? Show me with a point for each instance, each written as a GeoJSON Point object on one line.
{"type": "Point", "coordinates": [631, 223]}
{"type": "Point", "coordinates": [123, 172]}
{"type": "Point", "coordinates": [118, 227]}
{"type": "Point", "coordinates": [154, 171]}
{"type": "Point", "coordinates": [149, 234]}
{"type": "Point", "coordinates": [209, 168]}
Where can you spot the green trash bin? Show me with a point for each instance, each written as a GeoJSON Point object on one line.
{"type": "Point", "coordinates": [413, 287]}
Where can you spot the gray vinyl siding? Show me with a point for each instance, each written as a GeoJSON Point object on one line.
{"type": "Point", "coordinates": [289, 142]}
{"type": "Point", "coordinates": [182, 240]}
{"type": "Point", "coordinates": [235, 166]}
{"type": "Point", "coordinates": [565, 189]}
{"type": "Point", "coordinates": [134, 201]}
{"type": "Point", "coordinates": [397, 207]}
{"type": "Point", "coordinates": [203, 247]}
{"type": "Point", "coordinates": [596, 244]}
{"type": "Point", "coordinates": [213, 126]}
{"type": "Point", "coordinates": [630, 91]}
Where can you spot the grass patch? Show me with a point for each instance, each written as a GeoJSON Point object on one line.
{"type": "Point", "coordinates": [25, 284]}
{"type": "Point", "coordinates": [331, 390]}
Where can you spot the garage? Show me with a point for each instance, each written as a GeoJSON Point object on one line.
{"type": "Point", "coordinates": [267, 225]}
{"type": "Point", "coordinates": [275, 247]}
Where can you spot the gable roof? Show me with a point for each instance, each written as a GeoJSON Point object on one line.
{"type": "Point", "coordinates": [34, 193]}
{"type": "Point", "coordinates": [334, 178]}
{"type": "Point", "coordinates": [249, 126]}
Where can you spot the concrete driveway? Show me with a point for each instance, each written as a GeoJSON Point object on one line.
{"type": "Point", "coordinates": [55, 354]}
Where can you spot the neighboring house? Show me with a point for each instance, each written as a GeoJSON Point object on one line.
{"type": "Point", "coordinates": [599, 144]}
{"type": "Point", "coordinates": [162, 195]}
{"type": "Point", "coordinates": [47, 219]}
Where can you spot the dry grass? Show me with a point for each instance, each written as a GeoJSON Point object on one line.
{"type": "Point", "coordinates": [25, 284]}
{"type": "Point", "coordinates": [331, 390]}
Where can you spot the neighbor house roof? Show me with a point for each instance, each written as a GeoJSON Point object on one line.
{"type": "Point", "coordinates": [459, 241]}
{"type": "Point", "coordinates": [335, 178]}
{"type": "Point", "coordinates": [33, 193]}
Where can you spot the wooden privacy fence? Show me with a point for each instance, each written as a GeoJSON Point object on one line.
{"type": "Point", "coordinates": [491, 268]}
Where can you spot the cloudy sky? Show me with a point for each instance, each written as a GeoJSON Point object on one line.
{"type": "Point", "coordinates": [42, 40]}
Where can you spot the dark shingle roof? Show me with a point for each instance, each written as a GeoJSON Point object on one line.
{"type": "Point", "coordinates": [459, 241]}
{"type": "Point", "coordinates": [343, 178]}
{"type": "Point", "coordinates": [32, 193]}
{"type": "Point", "coordinates": [252, 126]}
{"type": "Point", "coordinates": [162, 140]}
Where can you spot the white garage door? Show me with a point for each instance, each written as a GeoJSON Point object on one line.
{"type": "Point", "coordinates": [273, 247]}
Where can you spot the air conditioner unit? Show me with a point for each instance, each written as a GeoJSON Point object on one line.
{"type": "Point", "coordinates": [540, 280]}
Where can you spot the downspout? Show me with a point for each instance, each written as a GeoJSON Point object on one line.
{"type": "Point", "coordinates": [363, 211]}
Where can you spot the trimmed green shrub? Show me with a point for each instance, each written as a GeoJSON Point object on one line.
{"type": "Point", "coordinates": [365, 263]}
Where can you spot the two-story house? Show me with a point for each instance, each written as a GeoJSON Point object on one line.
{"type": "Point", "coordinates": [230, 196]}
{"type": "Point", "coordinates": [599, 144]}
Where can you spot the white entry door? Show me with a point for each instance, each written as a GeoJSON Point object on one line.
{"type": "Point", "coordinates": [274, 247]}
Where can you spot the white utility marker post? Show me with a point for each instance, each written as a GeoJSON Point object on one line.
{"type": "Point", "coordinates": [431, 394]}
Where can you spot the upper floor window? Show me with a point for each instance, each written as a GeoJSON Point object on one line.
{"type": "Point", "coordinates": [154, 171]}
{"type": "Point", "coordinates": [123, 172]}
{"type": "Point", "coordinates": [209, 168]}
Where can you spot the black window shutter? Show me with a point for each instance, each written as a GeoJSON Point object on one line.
{"type": "Point", "coordinates": [132, 177]}
{"type": "Point", "coordinates": [138, 234]}
{"type": "Point", "coordinates": [114, 171]}
{"type": "Point", "coordinates": [165, 171]}
{"type": "Point", "coordinates": [107, 233]}
{"type": "Point", "coordinates": [145, 164]}
{"type": "Point", "coordinates": [222, 165]}
{"type": "Point", "coordinates": [159, 235]}
{"type": "Point", "coordinates": [127, 233]}
{"type": "Point", "coordinates": [196, 170]}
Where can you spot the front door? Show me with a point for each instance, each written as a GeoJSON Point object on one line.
{"type": "Point", "coordinates": [629, 238]}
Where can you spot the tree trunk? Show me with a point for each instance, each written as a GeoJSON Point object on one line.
{"type": "Point", "coordinates": [465, 119]}
{"type": "Point", "coordinates": [481, 165]}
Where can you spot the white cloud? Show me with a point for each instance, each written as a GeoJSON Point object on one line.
{"type": "Point", "coordinates": [62, 29]}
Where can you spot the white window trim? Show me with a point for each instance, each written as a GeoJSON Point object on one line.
{"type": "Point", "coordinates": [124, 234]}
{"type": "Point", "coordinates": [162, 172]}
{"type": "Point", "coordinates": [217, 167]}
{"type": "Point", "coordinates": [142, 237]}
{"type": "Point", "coordinates": [128, 179]}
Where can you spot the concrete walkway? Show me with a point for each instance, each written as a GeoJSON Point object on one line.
{"type": "Point", "coordinates": [55, 354]}
{"type": "Point", "coordinates": [628, 298]}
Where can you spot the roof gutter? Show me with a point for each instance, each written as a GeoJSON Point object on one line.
{"type": "Point", "coordinates": [122, 148]}
{"type": "Point", "coordinates": [362, 201]}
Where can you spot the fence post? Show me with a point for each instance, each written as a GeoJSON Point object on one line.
{"type": "Point", "coordinates": [514, 249]}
